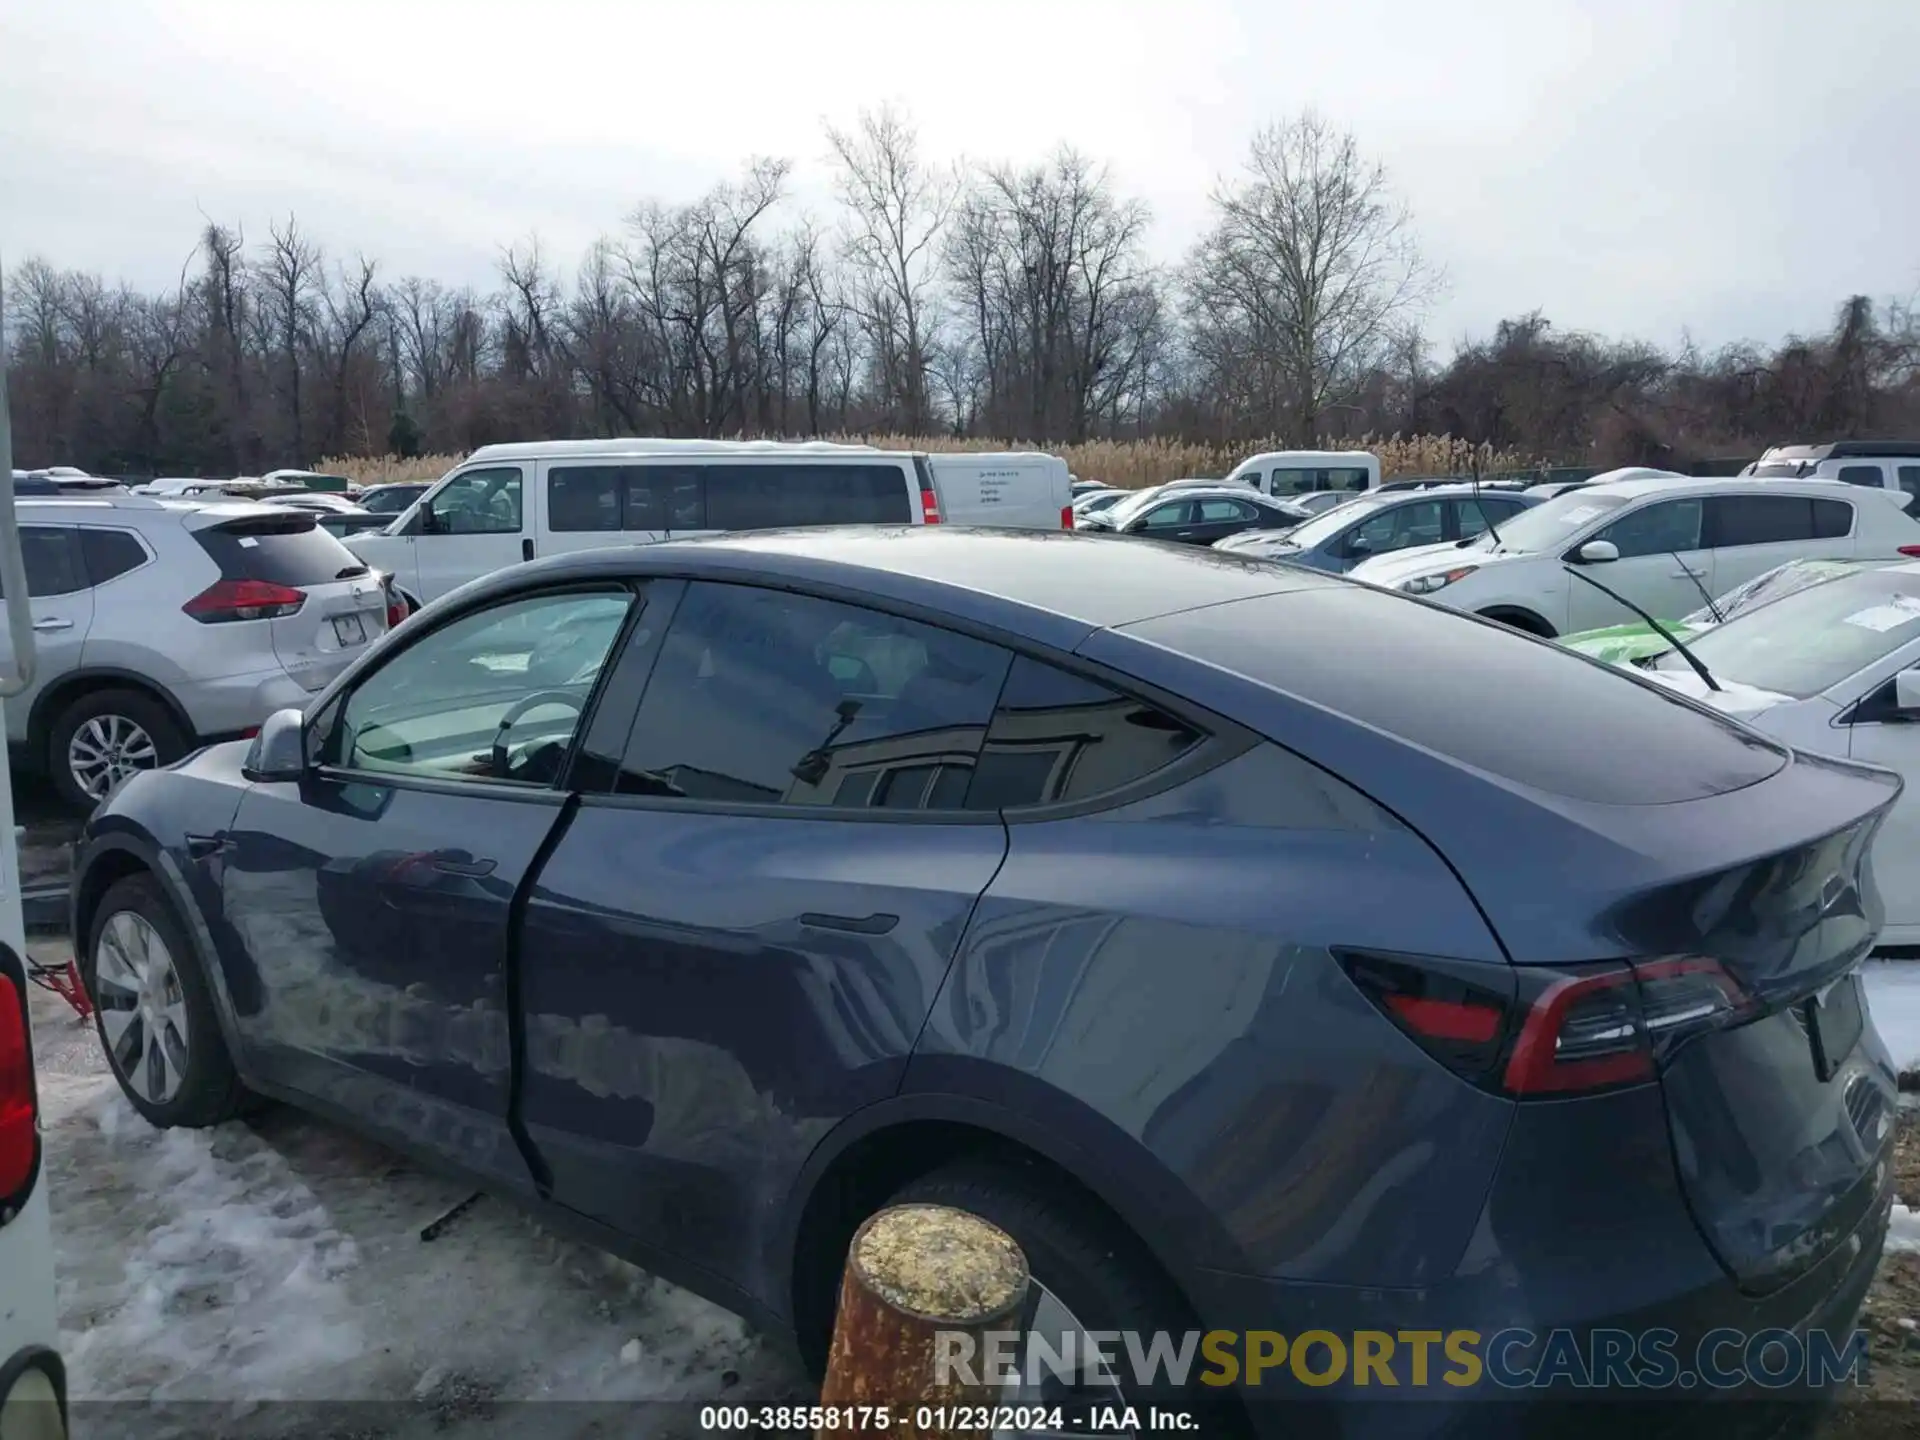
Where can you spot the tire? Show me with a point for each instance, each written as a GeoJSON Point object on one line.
{"type": "Point", "coordinates": [113, 723]}
{"type": "Point", "coordinates": [206, 1088]}
{"type": "Point", "coordinates": [1521, 620]}
{"type": "Point", "coordinates": [1092, 1263]}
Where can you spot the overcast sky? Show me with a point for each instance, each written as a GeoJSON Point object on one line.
{"type": "Point", "coordinates": [1728, 168]}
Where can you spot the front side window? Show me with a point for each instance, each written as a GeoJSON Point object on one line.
{"type": "Point", "coordinates": [1167, 517]}
{"type": "Point", "coordinates": [53, 567]}
{"type": "Point", "coordinates": [1058, 738]}
{"type": "Point", "coordinates": [479, 502]}
{"type": "Point", "coordinates": [495, 695]}
{"type": "Point", "coordinates": [763, 697]}
{"type": "Point", "coordinates": [1656, 529]}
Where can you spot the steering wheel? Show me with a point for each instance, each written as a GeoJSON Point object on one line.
{"type": "Point", "coordinates": [497, 762]}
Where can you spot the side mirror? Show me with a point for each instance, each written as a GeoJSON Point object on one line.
{"type": "Point", "coordinates": [1906, 693]}
{"type": "Point", "coordinates": [279, 751]}
{"type": "Point", "coordinates": [1359, 545]}
{"type": "Point", "coordinates": [1597, 552]}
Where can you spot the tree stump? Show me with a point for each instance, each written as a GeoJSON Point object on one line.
{"type": "Point", "coordinates": [924, 1285]}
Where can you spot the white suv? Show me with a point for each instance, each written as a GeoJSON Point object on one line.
{"type": "Point", "coordinates": [1876, 464]}
{"type": "Point", "coordinates": [164, 625]}
{"type": "Point", "coordinates": [1665, 544]}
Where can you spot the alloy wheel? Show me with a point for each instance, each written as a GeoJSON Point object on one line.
{"type": "Point", "coordinates": [107, 750]}
{"type": "Point", "coordinates": [143, 1010]}
{"type": "Point", "coordinates": [1051, 1334]}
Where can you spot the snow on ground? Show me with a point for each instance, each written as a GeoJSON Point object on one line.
{"type": "Point", "coordinates": [279, 1259]}
{"type": "Point", "coordinates": [1893, 995]}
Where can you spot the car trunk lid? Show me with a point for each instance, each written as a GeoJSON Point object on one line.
{"type": "Point", "coordinates": [343, 608]}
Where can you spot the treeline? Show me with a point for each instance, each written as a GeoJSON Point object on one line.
{"type": "Point", "coordinates": [1001, 300]}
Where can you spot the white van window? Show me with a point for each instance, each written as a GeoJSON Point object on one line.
{"type": "Point", "coordinates": [1305, 481]}
{"type": "Point", "coordinates": [479, 502]}
{"type": "Point", "coordinates": [1868, 475]}
{"type": "Point", "coordinates": [724, 497]}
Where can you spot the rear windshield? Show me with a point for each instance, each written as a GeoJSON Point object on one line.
{"type": "Point", "coordinates": [290, 550]}
{"type": "Point", "coordinates": [1522, 710]}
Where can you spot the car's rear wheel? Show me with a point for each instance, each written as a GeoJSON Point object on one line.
{"type": "Point", "coordinates": [1089, 1274]}
{"type": "Point", "coordinates": [103, 739]}
{"type": "Point", "coordinates": [154, 1011]}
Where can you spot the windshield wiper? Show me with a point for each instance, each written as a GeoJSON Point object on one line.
{"type": "Point", "coordinates": [1483, 509]}
{"type": "Point", "coordinates": [1661, 630]}
{"type": "Point", "coordinates": [1712, 609]}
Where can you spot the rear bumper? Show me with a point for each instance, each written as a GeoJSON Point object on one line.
{"type": "Point", "coordinates": [1584, 1305]}
{"type": "Point", "coordinates": [235, 704]}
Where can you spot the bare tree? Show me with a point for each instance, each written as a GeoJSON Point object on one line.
{"type": "Point", "coordinates": [896, 207]}
{"type": "Point", "coordinates": [288, 277]}
{"type": "Point", "coordinates": [1297, 287]}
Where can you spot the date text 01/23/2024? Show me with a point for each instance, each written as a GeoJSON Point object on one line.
{"type": "Point", "coordinates": [935, 1419]}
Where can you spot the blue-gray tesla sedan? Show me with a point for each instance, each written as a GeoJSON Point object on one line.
{"type": "Point", "coordinates": [1265, 953]}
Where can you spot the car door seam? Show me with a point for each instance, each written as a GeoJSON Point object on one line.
{"type": "Point", "coordinates": [959, 949]}
{"type": "Point", "coordinates": [514, 1000]}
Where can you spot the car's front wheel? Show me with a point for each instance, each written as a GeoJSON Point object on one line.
{"type": "Point", "coordinates": [1089, 1275]}
{"type": "Point", "coordinates": [154, 1010]}
{"type": "Point", "coordinates": [103, 739]}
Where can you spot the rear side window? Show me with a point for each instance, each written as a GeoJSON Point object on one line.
{"type": "Point", "coordinates": [1868, 475]}
{"type": "Point", "coordinates": [768, 497]}
{"type": "Point", "coordinates": [1910, 480]}
{"type": "Point", "coordinates": [1058, 739]}
{"type": "Point", "coordinates": [1759, 519]}
{"type": "Point", "coordinates": [109, 553]}
{"type": "Point", "coordinates": [767, 698]}
{"type": "Point", "coordinates": [1832, 519]}
{"type": "Point", "coordinates": [584, 497]}
{"type": "Point", "coordinates": [293, 551]}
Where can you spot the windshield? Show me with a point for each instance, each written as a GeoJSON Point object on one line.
{"type": "Point", "coordinates": [1805, 642]}
{"type": "Point", "coordinates": [1549, 525]}
{"type": "Point", "coordinates": [1763, 589]}
{"type": "Point", "coordinates": [1126, 509]}
{"type": "Point", "coordinates": [1330, 523]}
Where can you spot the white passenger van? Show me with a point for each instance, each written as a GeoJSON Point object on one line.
{"type": "Point", "coordinates": [508, 503]}
{"type": "Point", "coordinates": [1302, 472]}
{"type": "Point", "coordinates": [1023, 490]}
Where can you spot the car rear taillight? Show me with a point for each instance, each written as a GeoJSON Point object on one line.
{"type": "Point", "coordinates": [1910, 549]}
{"type": "Point", "coordinates": [1531, 1031]}
{"type": "Point", "coordinates": [1066, 517]}
{"type": "Point", "coordinates": [930, 504]}
{"type": "Point", "coordinates": [19, 1118]}
{"type": "Point", "coordinates": [227, 600]}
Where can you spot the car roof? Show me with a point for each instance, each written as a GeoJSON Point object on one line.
{"type": "Point", "coordinates": [640, 447]}
{"type": "Point", "coordinates": [1054, 587]}
{"type": "Point", "coordinates": [1722, 485]}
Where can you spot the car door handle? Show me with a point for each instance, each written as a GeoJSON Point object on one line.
{"type": "Point", "coordinates": [53, 623]}
{"type": "Point", "coordinates": [526, 549]}
{"type": "Point", "coordinates": [205, 847]}
{"type": "Point", "coordinates": [451, 865]}
{"type": "Point", "coordinates": [1685, 570]}
{"type": "Point", "coordinates": [857, 924]}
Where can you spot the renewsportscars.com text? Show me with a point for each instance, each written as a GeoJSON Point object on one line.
{"type": "Point", "coordinates": [1511, 1359]}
